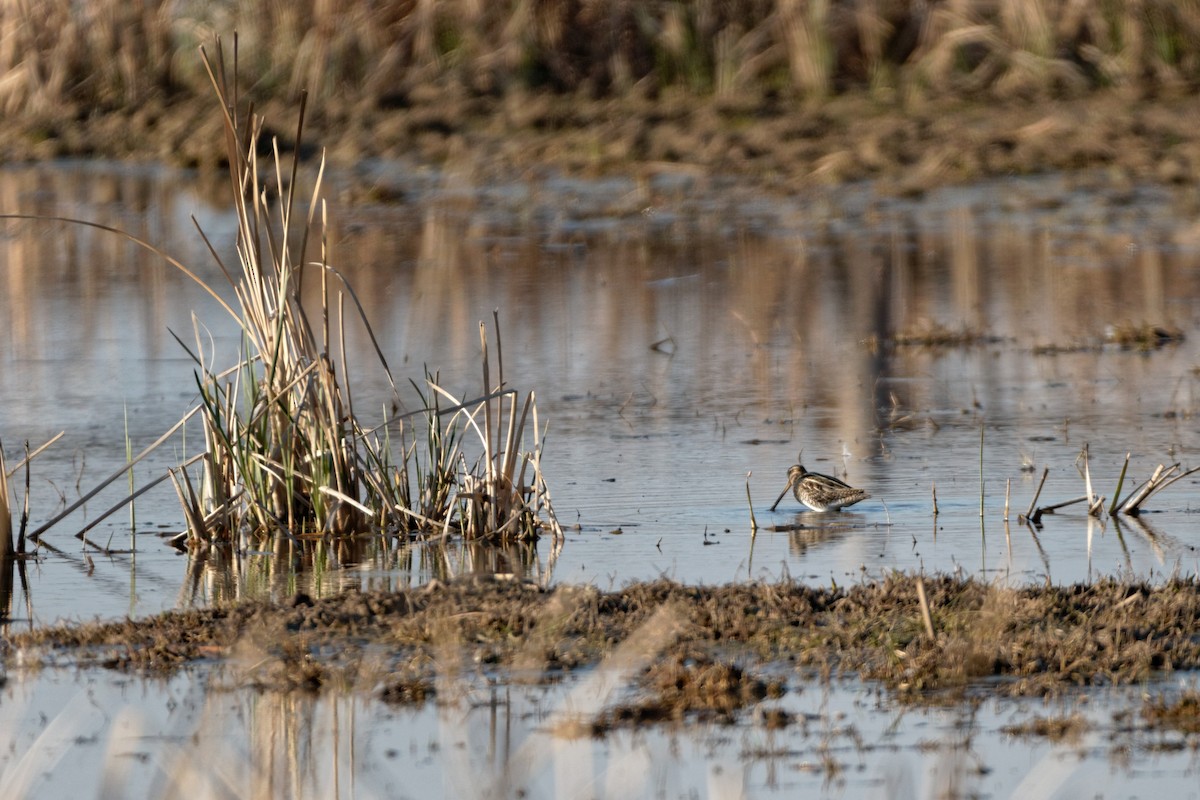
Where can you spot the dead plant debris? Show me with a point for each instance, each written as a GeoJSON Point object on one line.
{"type": "Point", "coordinates": [731, 643]}
{"type": "Point", "coordinates": [935, 335]}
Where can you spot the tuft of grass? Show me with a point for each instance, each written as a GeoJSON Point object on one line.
{"type": "Point", "coordinates": [284, 452]}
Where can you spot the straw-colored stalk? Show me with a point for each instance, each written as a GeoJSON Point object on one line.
{"type": "Point", "coordinates": [6, 531]}
{"type": "Point", "coordinates": [1162, 477]}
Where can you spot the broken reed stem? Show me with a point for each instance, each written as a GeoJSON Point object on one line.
{"type": "Point", "coordinates": [935, 506]}
{"type": "Point", "coordinates": [1063, 504]}
{"type": "Point", "coordinates": [1037, 494]}
{"type": "Point", "coordinates": [1095, 504]}
{"type": "Point", "coordinates": [1007, 495]}
{"type": "Point", "coordinates": [6, 540]}
{"type": "Point", "coordinates": [981, 469]}
{"type": "Point", "coordinates": [45, 526]}
{"type": "Point", "coordinates": [750, 502]}
{"type": "Point", "coordinates": [130, 498]}
{"type": "Point", "coordinates": [925, 613]}
{"type": "Point", "coordinates": [30, 456]}
{"type": "Point", "coordinates": [1143, 492]}
{"type": "Point", "coordinates": [1112, 509]}
{"type": "Point", "coordinates": [1160, 482]}
{"type": "Point", "coordinates": [25, 503]}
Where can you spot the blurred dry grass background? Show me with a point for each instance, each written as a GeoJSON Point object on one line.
{"type": "Point", "coordinates": [700, 81]}
{"type": "Point", "coordinates": [111, 54]}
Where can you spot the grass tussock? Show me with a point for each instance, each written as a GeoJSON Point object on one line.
{"type": "Point", "coordinates": [285, 452]}
{"type": "Point", "coordinates": [110, 54]}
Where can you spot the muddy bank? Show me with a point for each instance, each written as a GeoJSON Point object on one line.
{"type": "Point", "coordinates": [779, 145]}
{"type": "Point", "coordinates": [687, 650]}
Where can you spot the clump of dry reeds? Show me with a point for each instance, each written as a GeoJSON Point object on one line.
{"type": "Point", "coordinates": [1129, 504]}
{"type": "Point", "coordinates": [284, 450]}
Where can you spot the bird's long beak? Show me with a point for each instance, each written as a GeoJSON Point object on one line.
{"type": "Point", "coordinates": [781, 494]}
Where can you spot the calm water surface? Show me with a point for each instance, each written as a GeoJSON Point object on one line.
{"type": "Point", "coordinates": [681, 335]}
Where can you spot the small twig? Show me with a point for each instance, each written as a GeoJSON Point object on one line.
{"type": "Point", "coordinates": [935, 507]}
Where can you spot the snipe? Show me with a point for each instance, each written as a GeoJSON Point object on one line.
{"type": "Point", "coordinates": [820, 492]}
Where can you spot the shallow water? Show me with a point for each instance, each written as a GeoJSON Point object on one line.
{"type": "Point", "coordinates": [163, 739]}
{"type": "Point", "coordinates": [681, 334]}
{"type": "Point", "coordinates": [772, 324]}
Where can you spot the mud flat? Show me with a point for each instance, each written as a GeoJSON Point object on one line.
{"type": "Point", "coordinates": [687, 650]}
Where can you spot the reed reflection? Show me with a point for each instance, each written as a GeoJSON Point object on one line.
{"type": "Point", "coordinates": [320, 567]}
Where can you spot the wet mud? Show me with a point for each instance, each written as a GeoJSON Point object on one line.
{"type": "Point", "coordinates": [687, 651]}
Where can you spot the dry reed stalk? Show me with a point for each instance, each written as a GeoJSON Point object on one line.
{"type": "Point", "coordinates": [1033, 503]}
{"type": "Point", "coordinates": [1112, 509]}
{"type": "Point", "coordinates": [926, 615]}
{"type": "Point", "coordinates": [1161, 478]}
{"type": "Point", "coordinates": [809, 51]}
{"type": "Point", "coordinates": [750, 503]}
{"type": "Point", "coordinates": [6, 537]}
{"type": "Point", "coordinates": [36, 534]}
{"type": "Point", "coordinates": [1095, 504]}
